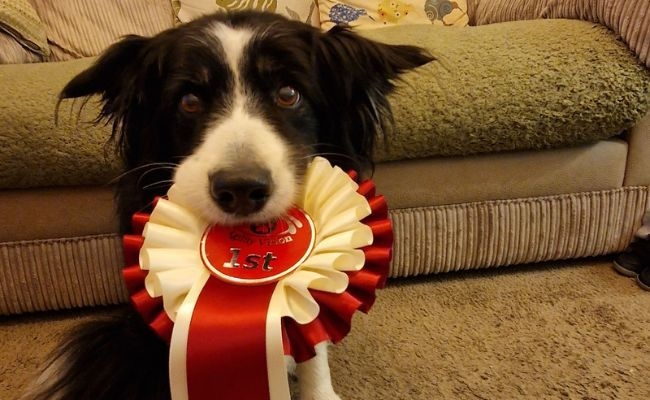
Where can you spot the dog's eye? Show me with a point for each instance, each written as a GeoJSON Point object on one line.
{"type": "Point", "coordinates": [190, 104]}
{"type": "Point", "coordinates": [287, 97]}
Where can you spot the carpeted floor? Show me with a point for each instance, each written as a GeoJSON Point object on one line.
{"type": "Point", "coordinates": [574, 330]}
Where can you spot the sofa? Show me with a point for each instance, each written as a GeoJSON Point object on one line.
{"type": "Point", "coordinates": [527, 140]}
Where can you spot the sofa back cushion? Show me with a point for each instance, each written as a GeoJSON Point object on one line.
{"type": "Point", "coordinates": [83, 28]}
{"type": "Point", "coordinates": [369, 14]}
{"type": "Point", "coordinates": [301, 10]}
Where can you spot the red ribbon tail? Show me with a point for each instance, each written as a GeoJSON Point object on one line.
{"type": "Point", "coordinates": [226, 348]}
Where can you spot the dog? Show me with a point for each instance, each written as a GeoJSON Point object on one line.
{"type": "Point", "coordinates": [230, 108]}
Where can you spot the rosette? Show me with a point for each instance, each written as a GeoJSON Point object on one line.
{"type": "Point", "coordinates": [231, 299]}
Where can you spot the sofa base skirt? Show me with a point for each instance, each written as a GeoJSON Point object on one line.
{"type": "Point", "coordinates": [85, 271]}
{"type": "Point", "coordinates": [54, 274]}
{"type": "Point", "coordinates": [509, 232]}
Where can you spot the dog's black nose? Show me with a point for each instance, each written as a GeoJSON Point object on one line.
{"type": "Point", "coordinates": [241, 192]}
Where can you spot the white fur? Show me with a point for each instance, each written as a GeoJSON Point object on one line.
{"type": "Point", "coordinates": [314, 378]}
{"type": "Point", "coordinates": [50, 373]}
{"type": "Point", "coordinates": [233, 42]}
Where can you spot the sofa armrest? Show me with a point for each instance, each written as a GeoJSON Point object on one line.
{"type": "Point", "coordinates": [627, 18]}
{"type": "Point", "coordinates": [638, 164]}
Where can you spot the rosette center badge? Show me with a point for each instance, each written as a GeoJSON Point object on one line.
{"type": "Point", "coordinates": [257, 254]}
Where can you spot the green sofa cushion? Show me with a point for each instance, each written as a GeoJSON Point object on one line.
{"type": "Point", "coordinates": [35, 150]}
{"type": "Point", "coordinates": [512, 86]}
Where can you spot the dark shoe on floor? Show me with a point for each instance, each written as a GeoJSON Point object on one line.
{"type": "Point", "coordinates": [644, 279]}
{"type": "Point", "coordinates": [629, 264]}
{"type": "Point", "coordinates": [635, 259]}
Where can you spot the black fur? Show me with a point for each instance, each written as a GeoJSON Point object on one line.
{"type": "Point", "coordinates": [116, 357]}
{"type": "Point", "coordinates": [344, 80]}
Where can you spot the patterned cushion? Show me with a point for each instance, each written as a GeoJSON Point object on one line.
{"type": "Point", "coordinates": [302, 10]}
{"type": "Point", "coordinates": [377, 13]}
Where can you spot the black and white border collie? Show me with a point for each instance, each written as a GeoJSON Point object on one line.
{"type": "Point", "coordinates": [230, 107]}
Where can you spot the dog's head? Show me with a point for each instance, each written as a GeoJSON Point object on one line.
{"type": "Point", "coordinates": [231, 107]}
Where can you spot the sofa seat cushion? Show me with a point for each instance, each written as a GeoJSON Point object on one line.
{"type": "Point", "coordinates": [512, 86]}
{"type": "Point", "coordinates": [500, 176]}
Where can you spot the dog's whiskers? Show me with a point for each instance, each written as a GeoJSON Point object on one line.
{"type": "Point", "coordinates": [152, 167]}
{"type": "Point", "coordinates": [149, 171]}
{"type": "Point", "coordinates": [159, 184]}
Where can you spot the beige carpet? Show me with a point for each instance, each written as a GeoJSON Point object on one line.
{"type": "Point", "coordinates": [570, 330]}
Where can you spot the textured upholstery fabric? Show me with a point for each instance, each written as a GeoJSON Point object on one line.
{"type": "Point", "coordinates": [11, 52]}
{"type": "Point", "coordinates": [56, 212]}
{"type": "Point", "coordinates": [637, 172]}
{"type": "Point", "coordinates": [628, 18]}
{"type": "Point", "coordinates": [83, 28]}
{"type": "Point", "coordinates": [516, 231]}
{"type": "Point", "coordinates": [35, 149]}
{"type": "Point", "coordinates": [451, 180]}
{"type": "Point", "coordinates": [513, 86]}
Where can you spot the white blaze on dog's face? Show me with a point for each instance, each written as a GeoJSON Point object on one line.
{"type": "Point", "coordinates": [243, 169]}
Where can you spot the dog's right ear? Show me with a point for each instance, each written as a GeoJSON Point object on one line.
{"type": "Point", "coordinates": [104, 76]}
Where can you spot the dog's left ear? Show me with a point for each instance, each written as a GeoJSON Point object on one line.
{"type": "Point", "coordinates": [361, 57]}
{"type": "Point", "coordinates": [356, 75]}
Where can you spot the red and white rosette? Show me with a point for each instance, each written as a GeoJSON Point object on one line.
{"type": "Point", "coordinates": [232, 301]}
